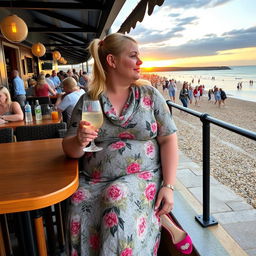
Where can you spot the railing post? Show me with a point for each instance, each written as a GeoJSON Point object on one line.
{"type": "Point", "coordinates": [206, 220]}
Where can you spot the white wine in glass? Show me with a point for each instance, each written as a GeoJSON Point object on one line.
{"type": "Point", "coordinates": [92, 113]}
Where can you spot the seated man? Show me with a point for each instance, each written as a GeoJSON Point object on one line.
{"type": "Point", "coordinates": [66, 102]}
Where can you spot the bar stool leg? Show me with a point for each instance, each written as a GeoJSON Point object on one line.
{"type": "Point", "coordinates": [2, 247]}
{"type": "Point", "coordinates": [51, 237]}
{"type": "Point", "coordinates": [6, 235]}
{"type": "Point", "coordinates": [40, 235]}
{"type": "Point", "coordinates": [60, 229]}
{"type": "Point", "coordinates": [26, 234]}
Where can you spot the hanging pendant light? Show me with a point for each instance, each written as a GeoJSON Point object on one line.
{"type": "Point", "coordinates": [56, 55]}
{"type": "Point", "coordinates": [61, 60]}
{"type": "Point", "coordinates": [14, 29]}
{"type": "Point", "coordinates": [38, 49]}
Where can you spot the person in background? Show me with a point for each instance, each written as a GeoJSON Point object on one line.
{"type": "Point", "coordinates": [19, 93]}
{"type": "Point", "coordinates": [172, 89]}
{"type": "Point", "coordinates": [30, 91]}
{"type": "Point", "coordinates": [223, 96]}
{"type": "Point", "coordinates": [117, 206]}
{"type": "Point", "coordinates": [217, 96]}
{"type": "Point", "coordinates": [83, 80]}
{"type": "Point", "coordinates": [56, 81]}
{"type": "Point", "coordinates": [66, 102]}
{"type": "Point", "coordinates": [75, 75]}
{"type": "Point", "coordinates": [42, 89]}
{"type": "Point", "coordinates": [9, 110]}
{"type": "Point", "coordinates": [50, 83]}
{"type": "Point", "coordinates": [190, 93]}
{"type": "Point", "coordinates": [196, 94]}
{"type": "Point", "coordinates": [184, 95]}
{"type": "Point", "coordinates": [210, 92]}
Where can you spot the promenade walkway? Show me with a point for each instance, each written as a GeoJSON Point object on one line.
{"type": "Point", "coordinates": [236, 231]}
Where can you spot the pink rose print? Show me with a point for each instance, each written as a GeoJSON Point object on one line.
{"type": "Point", "coordinates": [126, 135]}
{"type": "Point", "coordinates": [133, 168]}
{"type": "Point", "coordinates": [145, 175]}
{"type": "Point", "coordinates": [147, 102]}
{"type": "Point", "coordinates": [114, 193]}
{"type": "Point", "coordinates": [79, 196]}
{"type": "Point", "coordinates": [96, 176]}
{"type": "Point", "coordinates": [75, 226]}
{"type": "Point", "coordinates": [94, 241]}
{"type": "Point", "coordinates": [126, 252]}
{"type": "Point", "coordinates": [110, 219]}
{"type": "Point", "coordinates": [125, 106]}
{"type": "Point", "coordinates": [117, 145]}
{"type": "Point", "coordinates": [150, 149]}
{"type": "Point", "coordinates": [154, 127]}
{"type": "Point", "coordinates": [150, 191]}
{"type": "Point", "coordinates": [141, 227]}
{"type": "Point", "coordinates": [74, 252]}
{"type": "Point", "coordinates": [156, 247]}
{"type": "Point", "coordinates": [111, 111]}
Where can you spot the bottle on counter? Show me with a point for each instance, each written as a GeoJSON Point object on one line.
{"type": "Point", "coordinates": [28, 113]}
{"type": "Point", "coordinates": [38, 111]}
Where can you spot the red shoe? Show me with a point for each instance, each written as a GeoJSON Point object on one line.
{"type": "Point", "coordinates": [181, 240]}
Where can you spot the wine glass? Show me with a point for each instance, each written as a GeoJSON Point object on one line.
{"type": "Point", "coordinates": [92, 113]}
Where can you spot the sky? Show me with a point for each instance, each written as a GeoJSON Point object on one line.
{"type": "Point", "coordinates": [195, 33]}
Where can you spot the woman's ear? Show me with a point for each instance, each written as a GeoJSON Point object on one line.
{"type": "Point", "coordinates": [111, 61]}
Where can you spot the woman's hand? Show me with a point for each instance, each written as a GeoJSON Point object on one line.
{"type": "Point", "coordinates": [86, 133]}
{"type": "Point", "coordinates": [165, 200]}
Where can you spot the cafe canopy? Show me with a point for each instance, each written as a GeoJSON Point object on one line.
{"type": "Point", "coordinates": [68, 26]}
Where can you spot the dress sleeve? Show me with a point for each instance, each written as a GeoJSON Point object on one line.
{"type": "Point", "coordinates": [75, 118]}
{"type": "Point", "coordinates": [164, 119]}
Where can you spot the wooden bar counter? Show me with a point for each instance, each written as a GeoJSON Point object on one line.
{"type": "Point", "coordinates": [35, 174]}
{"type": "Point", "coordinates": [45, 120]}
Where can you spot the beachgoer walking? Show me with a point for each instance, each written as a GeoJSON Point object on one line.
{"type": "Point", "coordinates": [196, 94]}
{"type": "Point", "coordinates": [223, 96]}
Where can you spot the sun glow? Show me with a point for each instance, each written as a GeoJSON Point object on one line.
{"type": "Point", "coordinates": [244, 56]}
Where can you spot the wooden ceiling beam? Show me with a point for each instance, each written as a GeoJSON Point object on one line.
{"type": "Point", "coordinates": [89, 5]}
{"type": "Point", "coordinates": [67, 19]}
{"type": "Point", "coordinates": [56, 30]}
{"type": "Point", "coordinates": [66, 45]}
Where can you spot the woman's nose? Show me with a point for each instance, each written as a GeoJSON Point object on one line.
{"type": "Point", "coordinates": [139, 62]}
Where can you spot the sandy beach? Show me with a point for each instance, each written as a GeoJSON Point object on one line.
{"type": "Point", "coordinates": [233, 157]}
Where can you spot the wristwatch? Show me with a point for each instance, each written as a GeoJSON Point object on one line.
{"type": "Point", "coordinates": [168, 186]}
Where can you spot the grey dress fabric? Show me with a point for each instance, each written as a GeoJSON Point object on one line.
{"type": "Point", "coordinates": [112, 212]}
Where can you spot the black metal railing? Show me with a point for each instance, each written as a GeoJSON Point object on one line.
{"type": "Point", "coordinates": [206, 220]}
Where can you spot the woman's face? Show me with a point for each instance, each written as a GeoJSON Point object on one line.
{"type": "Point", "coordinates": [3, 98]}
{"type": "Point", "coordinates": [128, 63]}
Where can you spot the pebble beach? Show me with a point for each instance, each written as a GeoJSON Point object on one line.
{"type": "Point", "coordinates": [233, 157]}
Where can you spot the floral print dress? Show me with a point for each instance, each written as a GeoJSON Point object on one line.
{"type": "Point", "coordinates": [112, 212]}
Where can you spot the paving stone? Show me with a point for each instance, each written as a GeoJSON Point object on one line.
{"type": "Point", "coordinates": [236, 217]}
{"type": "Point", "coordinates": [239, 206]}
{"type": "Point", "coordinates": [189, 179]}
{"type": "Point", "coordinates": [244, 233]}
{"type": "Point", "coordinates": [189, 165]}
{"type": "Point", "coordinates": [251, 252]}
{"type": "Point", "coordinates": [219, 195]}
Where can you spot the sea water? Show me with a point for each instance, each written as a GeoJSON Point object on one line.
{"type": "Point", "coordinates": [225, 79]}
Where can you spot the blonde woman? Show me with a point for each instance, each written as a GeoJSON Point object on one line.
{"type": "Point", "coordinates": [116, 208]}
{"type": "Point", "coordinates": [9, 110]}
{"type": "Point", "coordinates": [42, 89]}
